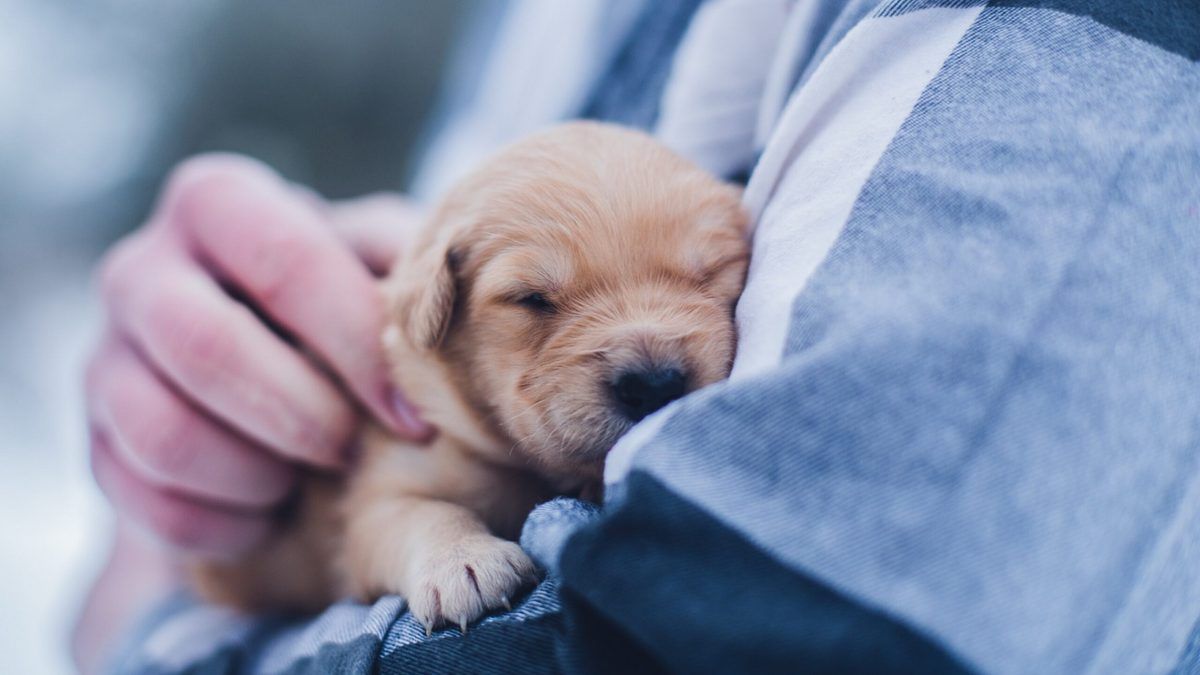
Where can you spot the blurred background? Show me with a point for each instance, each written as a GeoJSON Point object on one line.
{"type": "Point", "coordinates": [98, 99]}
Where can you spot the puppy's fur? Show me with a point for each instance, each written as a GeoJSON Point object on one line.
{"type": "Point", "coordinates": [573, 264]}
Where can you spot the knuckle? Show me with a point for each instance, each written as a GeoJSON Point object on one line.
{"type": "Point", "coordinates": [163, 442]}
{"type": "Point", "coordinates": [202, 181]}
{"type": "Point", "coordinates": [205, 346]}
{"type": "Point", "coordinates": [198, 348]}
{"type": "Point", "coordinates": [157, 431]}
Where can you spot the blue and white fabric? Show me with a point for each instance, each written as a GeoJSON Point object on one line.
{"type": "Point", "coordinates": [963, 428]}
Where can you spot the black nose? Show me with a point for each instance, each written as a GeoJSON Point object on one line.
{"type": "Point", "coordinates": [641, 392]}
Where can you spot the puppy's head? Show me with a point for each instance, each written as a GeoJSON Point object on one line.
{"type": "Point", "coordinates": [579, 281]}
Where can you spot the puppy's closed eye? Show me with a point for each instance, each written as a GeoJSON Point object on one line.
{"type": "Point", "coordinates": [537, 302]}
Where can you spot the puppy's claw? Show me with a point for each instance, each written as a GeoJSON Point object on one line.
{"type": "Point", "coordinates": [505, 603]}
{"type": "Point", "coordinates": [428, 630]}
{"type": "Point", "coordinates": [462, 624]}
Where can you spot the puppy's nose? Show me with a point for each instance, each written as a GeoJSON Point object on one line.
{"type": "Point", "coordinates": [642, 391]}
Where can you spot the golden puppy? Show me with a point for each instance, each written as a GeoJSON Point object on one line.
{"type": "Point", "coordinates": [580, 280]}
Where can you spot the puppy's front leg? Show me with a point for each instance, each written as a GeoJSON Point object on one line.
{"type": "Point", "coordinates": [438, 555]}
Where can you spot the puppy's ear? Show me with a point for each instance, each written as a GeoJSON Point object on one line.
{"type": "Point", "coordinates": [423, 294]}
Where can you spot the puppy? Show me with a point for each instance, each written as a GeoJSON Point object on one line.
{"type": "Point", "coordinates": [580, 280]}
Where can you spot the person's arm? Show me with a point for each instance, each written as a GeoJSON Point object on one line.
{"type": "Point", "coordinates": [242, 341]}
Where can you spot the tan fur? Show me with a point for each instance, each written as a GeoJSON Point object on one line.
{"type": "Point", "coordinates": [642, 256]}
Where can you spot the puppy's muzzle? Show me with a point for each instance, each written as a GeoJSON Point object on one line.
{"type": "Point", "coordinates": [642, 390]}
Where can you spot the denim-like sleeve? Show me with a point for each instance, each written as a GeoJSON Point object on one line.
{"type": "Point", "coordinates": [967, 397]}
{"type": "Point", "coordinates": [669, 554]}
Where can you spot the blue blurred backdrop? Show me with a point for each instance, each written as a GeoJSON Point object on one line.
{"type": "Point", "coordinates": [98, 98]}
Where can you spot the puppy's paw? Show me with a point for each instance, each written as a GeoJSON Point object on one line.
{"type": "Point", "coordinates": [460, 582]}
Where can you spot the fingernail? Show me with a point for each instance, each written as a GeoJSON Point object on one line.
{"type": "Point", "coordinates": [407, 416]}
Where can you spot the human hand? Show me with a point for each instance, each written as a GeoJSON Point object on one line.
{"type": "Point", "coordinates": [199, 407]}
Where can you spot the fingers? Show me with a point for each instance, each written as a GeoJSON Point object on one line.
{"type": "Point", "coordinates": [217, 354]}
{"type": "Point", "coordinates": [170, 444]}
{"type": "Point", "coordinates": [274, 246]}
{"type": "Point", "coordinates": [185, 524]}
